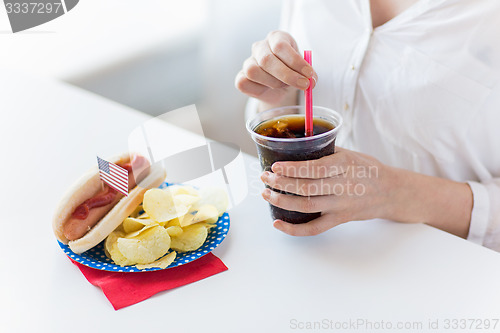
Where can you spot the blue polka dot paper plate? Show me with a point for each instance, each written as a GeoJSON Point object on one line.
{"type": "Point", "coordinates": [96, 258]}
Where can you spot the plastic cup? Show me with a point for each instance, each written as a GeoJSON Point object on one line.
{"type": "Point", "coordinates": [272, 149]}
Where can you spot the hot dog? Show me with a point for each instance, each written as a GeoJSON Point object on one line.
{"type": "Point", "coordinates": [91, 209]}
{"type": "Point", "coordinates": [88, 213]}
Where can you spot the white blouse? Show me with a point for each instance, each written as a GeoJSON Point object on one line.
{"type": "Point", "coordinates": [421, 92]}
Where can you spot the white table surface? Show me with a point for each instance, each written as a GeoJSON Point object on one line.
{"type": "Point", "coordinates": [371, 270]}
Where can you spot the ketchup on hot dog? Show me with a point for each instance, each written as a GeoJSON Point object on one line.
{"type": "Point", "coordinates": [101, 199]}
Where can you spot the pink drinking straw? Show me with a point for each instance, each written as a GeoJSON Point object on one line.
{"type": "Point", "coordinates": [309, 98]}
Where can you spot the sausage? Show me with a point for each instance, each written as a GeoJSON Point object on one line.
{"type": "Point", "coordinates": [75, 228]}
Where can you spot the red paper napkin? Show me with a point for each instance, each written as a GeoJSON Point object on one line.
{"type": "Point", "coordinates": [124, 289]}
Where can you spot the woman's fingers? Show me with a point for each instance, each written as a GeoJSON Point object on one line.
{"type": "Point", "coordinates": [304, 186]}
{"type": "Point", "coordinates": [299, 203]}
{"type": "Point", "coordinates": [271, 64]}
{"type": "Point", "coordinates": [275, 69]}
{"type": "Point", "coordinates": [256, 74]}
{"type": "Point", "coordinates": [325, 167]}
{"type": "Point", "coordinates": [249, 87]}
{"type": "Point", "coordinates": [312, 228]}
{"type": "Point", "coordinates": [344, 186]}
{"type": "Point", "coordinates": [283, 46]}
{"type": "Point", "coordinates": [257, 90]}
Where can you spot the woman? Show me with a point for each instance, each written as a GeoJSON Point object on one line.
{"type": "Point", "coordinates": [417, 83]}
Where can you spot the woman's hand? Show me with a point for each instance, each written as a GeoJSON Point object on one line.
{"type": "Point", "coordinates": [344, 186]}
{"type": "Point", "coordinates": [349, 186]}
{"type": "Point", "coordinates": [275, 71]}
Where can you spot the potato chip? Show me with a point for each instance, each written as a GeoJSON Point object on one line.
{"type": "Point", "coordinates": [174, 222]}
{"type": "Point", "coordinates": [111, 248]}
{"type": "Point", "coordinates": [212, 220]}
{"type": "Point", "coordinates": [187, 219]}
{"type": "Point", "coordinates": [185, 200]}
{"type": "Point", "coordinates": [208, 225]}
{"type": "Point", "coordinates": [214, 196]}
{"type": "Point", "coordinates": [136, 211]}
{"type": "Point", "coordinates": [160, 263]}
{"type": "Point", "coordinates": [179, 217]}
{"type": "Point", "coordinates": [174, 231]}
{"type": "Point", "coordinates": [120, 228]}
{"type": "Point", "coordinates": [143, 216]}
{"type": "Point", "coordinates": [138, 232]}
{"type": "Point", "coordinates": [205, 213]}
{"type": "Point", "coordinates": [183, 189]}
{"type": "Point", "coordinates": [131, 224]}
{"type": "Point", "coordinates": [146, 247]}
{"type": "Point", "coordinates": [159, 205]}
{"type": "Point", "coordinates": [108, 243]}
{"type": "Point", "coordinates": [192, 238]}
{"type": "Point", "coordinates": [119, 258]}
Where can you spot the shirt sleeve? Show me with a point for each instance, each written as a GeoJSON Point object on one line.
{"type": "Point", "coordinates": [485, 218]}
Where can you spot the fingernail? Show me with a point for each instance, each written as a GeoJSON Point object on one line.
{"type": "Point", "coordinates": [303, 83]}
{"type": "Point", "coordinates": [265, 175]}
{"type": "Point", "coordinates": [315, 81]}
{"type": "Point", "coordinates": [266, 193]}
{"type": "Point", "coordinates": [276, 168]}
{"type": "Point", "coordinates": [307, 71]}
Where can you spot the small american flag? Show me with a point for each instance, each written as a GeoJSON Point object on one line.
{"type": "Point", "coordinates": [113, 175]}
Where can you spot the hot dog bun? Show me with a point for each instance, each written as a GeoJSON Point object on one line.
{"type": "Point", "coordinates": [89, 185]}
{"type": "Point", "coordinates": [86, 187]}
